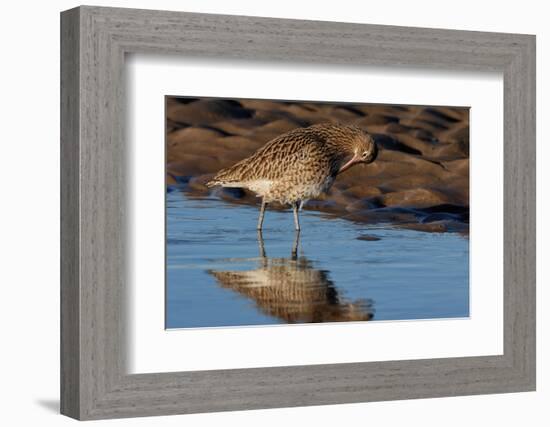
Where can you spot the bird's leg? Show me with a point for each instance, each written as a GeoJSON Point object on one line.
{"type": "Point", "coordinates": [261, 218]}
{"type": "Point", "coordinates": [295, 245]}
{"type": "Point", "coordinates": [261, 243]}
{"type": "Point", "coordinates": [296, 220]}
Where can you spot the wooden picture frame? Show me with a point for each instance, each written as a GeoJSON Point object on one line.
{"type": "Point", "coordinates": [94, 382]}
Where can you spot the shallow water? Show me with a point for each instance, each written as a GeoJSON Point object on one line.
{"type": "Point", "coordinates": [221, 272]}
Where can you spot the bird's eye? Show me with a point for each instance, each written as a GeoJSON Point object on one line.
{"type": "Point", "coordinates": [365, 154]}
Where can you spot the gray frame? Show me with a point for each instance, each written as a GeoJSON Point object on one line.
{"type": "Point", "coordinates": [94, 383]}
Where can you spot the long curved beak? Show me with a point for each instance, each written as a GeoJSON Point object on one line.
{"type": "Point", "coordinates": [355, 159]}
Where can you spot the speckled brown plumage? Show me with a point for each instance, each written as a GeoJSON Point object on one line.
{"type": "Point", "coordinates": [300, 164]}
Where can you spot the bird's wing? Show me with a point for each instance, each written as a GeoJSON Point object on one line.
{"type": "Point", "coordinates": [276, 158]}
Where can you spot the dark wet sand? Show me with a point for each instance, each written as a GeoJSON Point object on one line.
{"type": "Point", "coordinates": [419, 181]}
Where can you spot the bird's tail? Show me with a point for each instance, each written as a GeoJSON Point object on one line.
{"type": "Point", "coordinates": [222, 180]}
{"type": "Point", "coordinates": [226, 178]}
{"type": "Point", "coordinates": [229, 184]}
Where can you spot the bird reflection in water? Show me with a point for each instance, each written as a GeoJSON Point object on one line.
{"type": "Point", "coordinates": [292, 290]}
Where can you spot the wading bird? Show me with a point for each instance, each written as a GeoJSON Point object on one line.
{"type": "Point", "coordinates": [299, 165]}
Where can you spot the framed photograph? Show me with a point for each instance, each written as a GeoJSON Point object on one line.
{"type": "Point", "coordinates": [261, 213]}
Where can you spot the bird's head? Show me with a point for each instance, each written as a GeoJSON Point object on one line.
{"type": "Point", "coordinates": [360, 148]}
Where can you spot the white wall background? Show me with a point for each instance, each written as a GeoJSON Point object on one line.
{"type": "Point", "coordinates": [29, 225]}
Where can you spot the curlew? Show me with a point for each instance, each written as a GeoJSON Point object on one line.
{"type": "Point", "coordinates": [299, 165]}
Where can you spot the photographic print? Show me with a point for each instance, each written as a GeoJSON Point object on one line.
{"type": "Point", "coordinates": [294, 212]}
